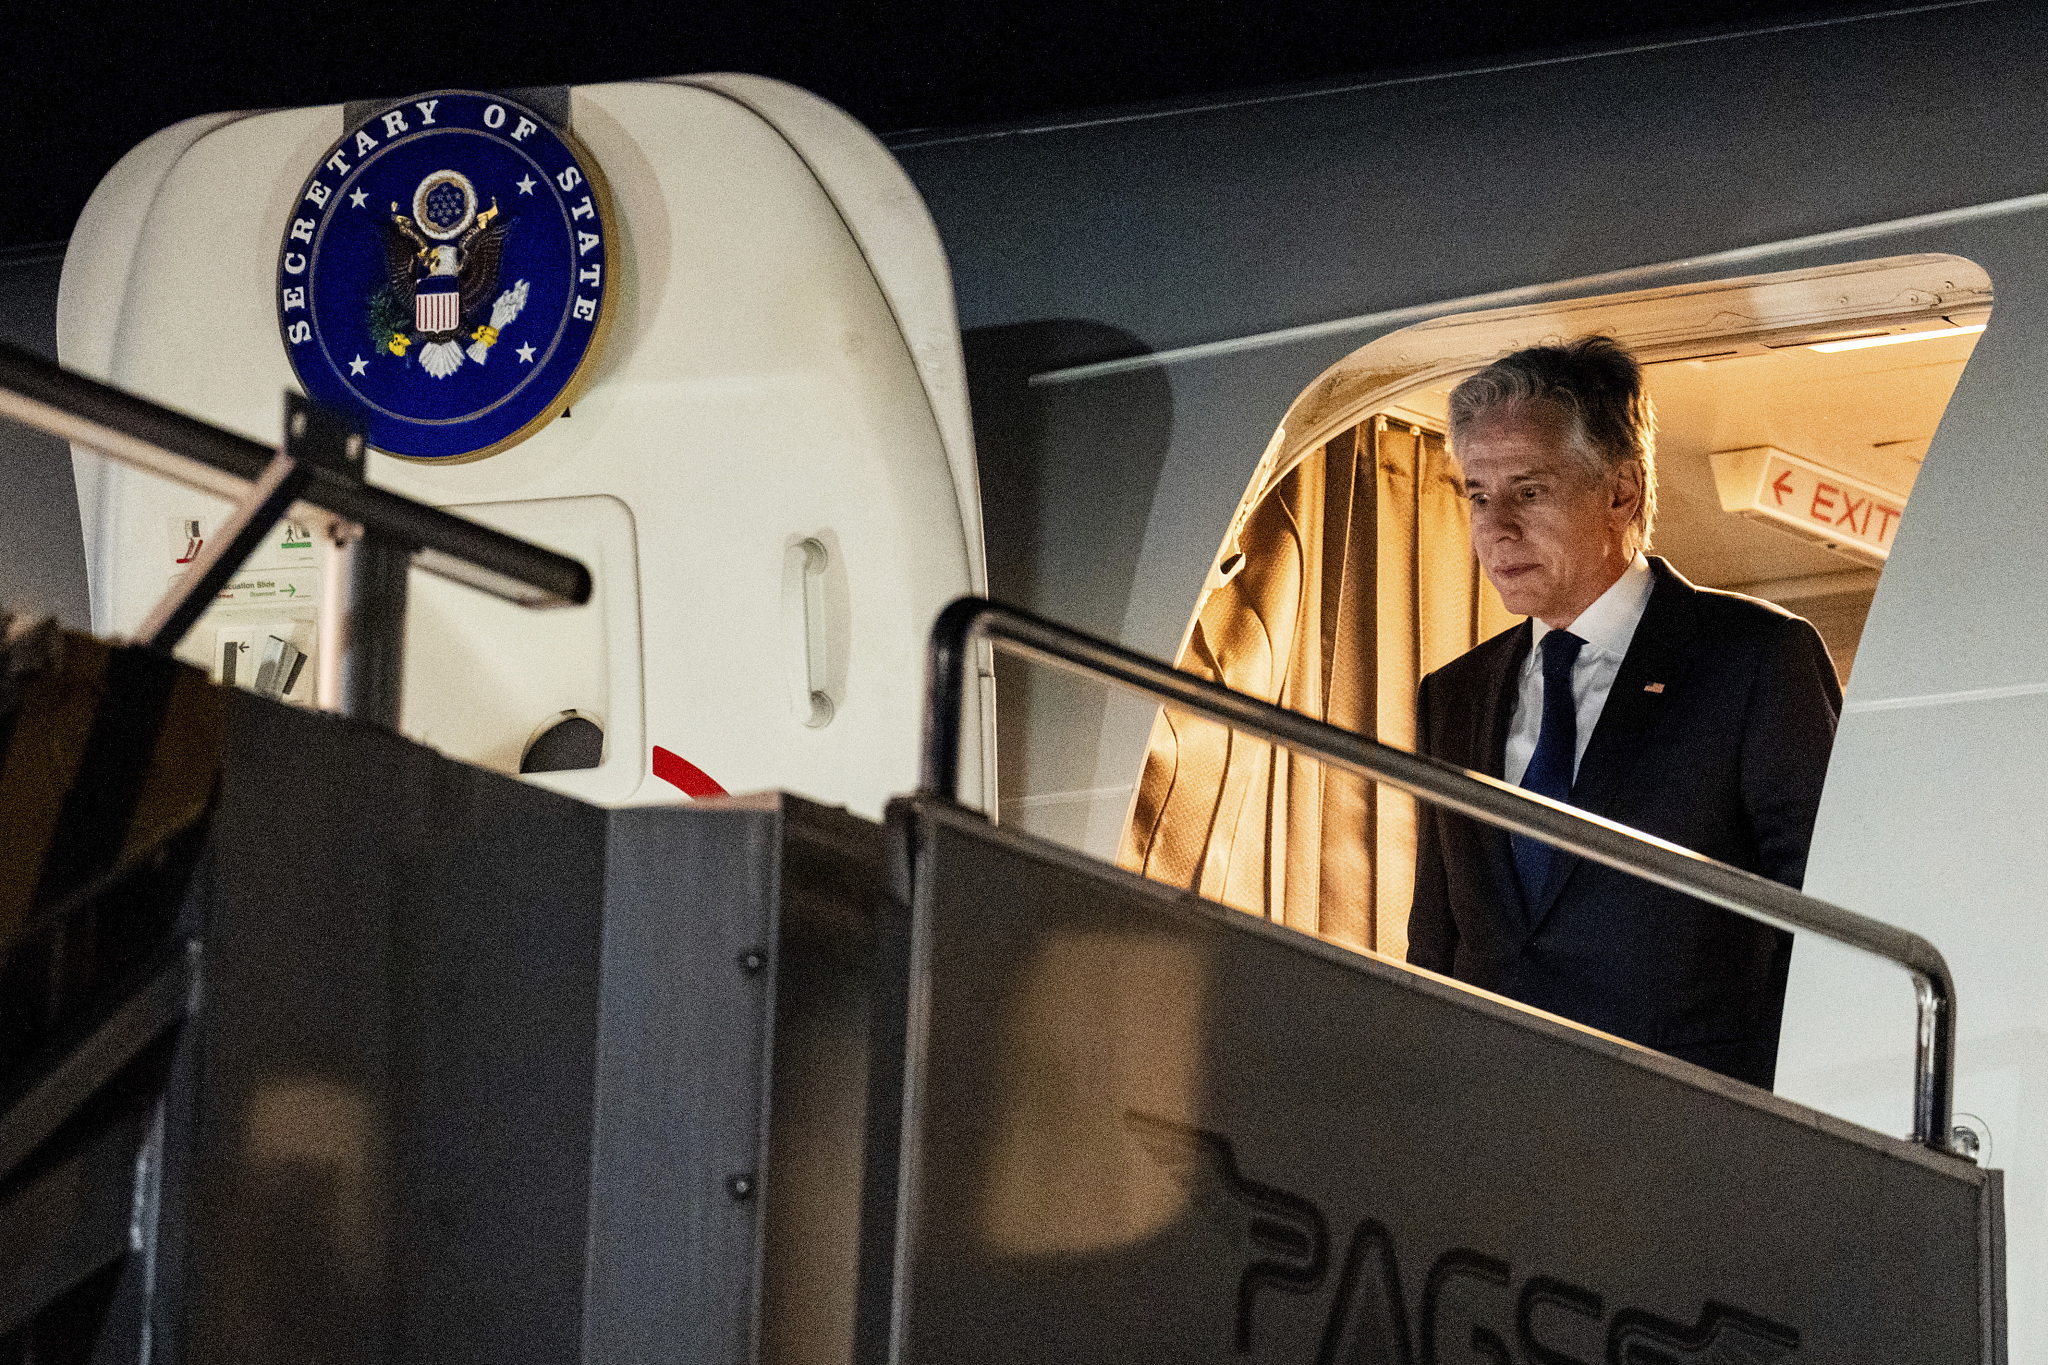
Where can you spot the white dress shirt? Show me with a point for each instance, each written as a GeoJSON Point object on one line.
{"type": "Point", "coordinates": [1607, 627]}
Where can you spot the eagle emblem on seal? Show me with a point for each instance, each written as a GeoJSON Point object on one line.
{"type": "Point", "coordinates": [442, 267]}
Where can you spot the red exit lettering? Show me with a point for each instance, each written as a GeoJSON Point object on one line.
{"type": "Point", "coordinates": [1823, 503]}
{"type": "Point", "coordinates": [1806, 497]}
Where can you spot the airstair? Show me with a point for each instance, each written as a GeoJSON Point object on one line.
{"type": "Point", "coordinates": [318, 1046]}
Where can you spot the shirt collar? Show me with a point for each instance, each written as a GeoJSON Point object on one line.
{"type": "Point", "coordinates": [1610, 623]}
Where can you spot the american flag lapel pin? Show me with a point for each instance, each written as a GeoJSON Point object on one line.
{"type": "Point", "coordinates": [1653, 687]}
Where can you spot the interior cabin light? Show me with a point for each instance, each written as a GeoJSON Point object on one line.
{"type": "Point", "coordinates": [1895, 338]}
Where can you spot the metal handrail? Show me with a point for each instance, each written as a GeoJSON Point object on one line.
{"type": "Point", "coordinates": [972, 619]}
{"type": "Point", "coordinates": [41, 394]}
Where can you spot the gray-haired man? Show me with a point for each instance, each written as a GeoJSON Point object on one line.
{"type": "Point", "coordinates": [1703, 717]}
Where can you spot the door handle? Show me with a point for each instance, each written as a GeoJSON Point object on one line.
{"type": "Point", "coordinates": [809, 670]}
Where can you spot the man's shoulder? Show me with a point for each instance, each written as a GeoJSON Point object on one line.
{"type": "Point", "coordinates": [1480, 664]}
{"type": "Point", "coordinates": [1731, 617]}
{"type": "Point", "coordinates": [1737, 616]}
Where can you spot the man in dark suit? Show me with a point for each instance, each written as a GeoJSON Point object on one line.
{"type": "Point", "coordinates": [1699, 716]}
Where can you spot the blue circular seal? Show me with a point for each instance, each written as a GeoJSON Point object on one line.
{"type": "Point", "coordinates": [444, 277]}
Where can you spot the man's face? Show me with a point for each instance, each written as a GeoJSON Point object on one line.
{"type": "Point", "coordinates": [1549, 539]}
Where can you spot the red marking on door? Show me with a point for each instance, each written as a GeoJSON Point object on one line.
{"type": "Point", "coordinates": [678, 771]}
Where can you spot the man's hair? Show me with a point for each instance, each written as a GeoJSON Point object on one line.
{"type": "Point", "coordinates": [1597, 387]}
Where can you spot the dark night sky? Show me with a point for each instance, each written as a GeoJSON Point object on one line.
{"type": "Point", "coordinates": [86, 82]}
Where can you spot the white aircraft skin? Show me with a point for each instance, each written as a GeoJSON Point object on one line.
{"type": "Point", "coordinates": [1144, 294]}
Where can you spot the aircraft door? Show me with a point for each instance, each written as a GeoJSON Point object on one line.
{"type": "Point", "coordinates": [768, 466]}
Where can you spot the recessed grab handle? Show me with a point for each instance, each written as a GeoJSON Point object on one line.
{"type": "Point", "coordinates": [810, 695]}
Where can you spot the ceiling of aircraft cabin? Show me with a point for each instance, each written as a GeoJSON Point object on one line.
{"type": "Point", "coordinates": [85, 81]}
{"type": "Point", "coordinates": [1870, 414]}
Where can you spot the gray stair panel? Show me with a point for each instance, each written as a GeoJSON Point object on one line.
{"type": "Point", "coordinates": [1141, 1127]}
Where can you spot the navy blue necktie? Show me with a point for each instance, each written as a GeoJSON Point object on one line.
{"type": "Point", "coordinates": [1557, 748]}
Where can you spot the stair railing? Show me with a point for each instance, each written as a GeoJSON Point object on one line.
{"type": "Point", "coordinates": [971, 620]}
{"type": "Point", "coordinates": [368, 537]}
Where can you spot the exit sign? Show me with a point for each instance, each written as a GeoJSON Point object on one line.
{"type": "Point", "coordinates": [1852, 518]}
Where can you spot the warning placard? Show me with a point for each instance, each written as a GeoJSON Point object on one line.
{"type": "Point", "coordinates": [271, 585]}
{"type": "Point", "coordinates": [261, 632]}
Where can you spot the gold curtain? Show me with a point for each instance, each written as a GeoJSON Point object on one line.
{"type": "Point", "coordinates": [1351, 578]}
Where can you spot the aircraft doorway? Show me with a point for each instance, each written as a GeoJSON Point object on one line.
{"type": "Point", "coordinates": [1793, 413]}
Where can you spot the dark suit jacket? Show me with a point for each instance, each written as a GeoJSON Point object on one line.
{"type": "Point", "coordinates": [1727, 759]}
